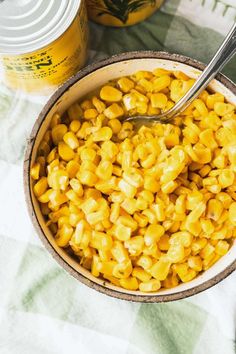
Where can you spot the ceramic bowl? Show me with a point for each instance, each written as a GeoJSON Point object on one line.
{"type": "Point", "coordinates": [74, 89]}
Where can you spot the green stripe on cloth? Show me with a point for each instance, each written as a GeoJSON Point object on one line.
{"type": "Point", "coordinates": [41, 286]}
{"type": "Point", "coordinates": [186, 38]}
{"type": "Point", "coordinates": [17, 116]}
{"type": "Point", "coordinates": [168, 328]}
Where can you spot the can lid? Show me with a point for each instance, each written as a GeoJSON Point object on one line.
{"type": "Point", "coordinates": [28, 25]}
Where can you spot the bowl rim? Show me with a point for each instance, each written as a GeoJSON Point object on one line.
{"type": "Point", "coordinates": [26, 178]}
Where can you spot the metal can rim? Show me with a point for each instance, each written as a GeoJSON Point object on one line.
{"type": "Point", "coordinates": [21, 48]}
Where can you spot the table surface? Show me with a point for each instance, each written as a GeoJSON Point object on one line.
{"type": "Point", "coordinates": [44, 310]}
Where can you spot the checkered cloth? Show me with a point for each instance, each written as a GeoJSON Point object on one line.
{"type": "Point", "coordinates": [43, 310]}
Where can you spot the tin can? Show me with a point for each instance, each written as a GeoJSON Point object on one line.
{"type": "Point", "coordinates": [121, 13]}
{"type": "Point", "coordinates": [42, 43]}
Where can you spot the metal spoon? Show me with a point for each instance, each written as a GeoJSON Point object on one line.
{"type": "Point", "coordinates": [220, 59]}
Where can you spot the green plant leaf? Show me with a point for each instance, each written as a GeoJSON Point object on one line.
{"type": "Point", "coordinates": [122, 8]}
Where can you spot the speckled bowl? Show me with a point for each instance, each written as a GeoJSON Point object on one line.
{"type": "Point", "coordinates": [75, 88]}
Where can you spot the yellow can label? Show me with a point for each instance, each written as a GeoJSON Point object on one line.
{"type": "Point", "coordinates": [45, 69]}
{"type": "Point", "coordinates": [123, 13]}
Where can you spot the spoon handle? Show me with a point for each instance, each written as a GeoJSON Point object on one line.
{"type": "Point", "coordinates": [220, 59]}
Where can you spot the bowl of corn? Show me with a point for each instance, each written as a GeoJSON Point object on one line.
{"type": "Point", "coordinates": [143, 213]}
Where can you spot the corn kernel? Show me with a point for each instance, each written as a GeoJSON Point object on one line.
{"type": "Point", "coordinates": [56, 119]}
{"type": "Point", "coordinates": [110, 94]}
{"type": "Point", "coordinates": [133, 177]}
{"type": "Point", "coordinates": [163, 243]}
{"type": "Point", "coordinates": [41, 186]}
{"type": "Point", "coordinates": [232, 213]}
{"type": "Point", "coordinates": [201, 107]}
{"type": "Point", "coordinates": [193, 199]}
{"type": "Point", "coordinates": [127, 159]}
{"type": "Point", "coordinates": [34, 171]}
{"type": "Point", "coordinates": [198, 244]}
{"type": "Point", "coordinates": [107, 267]}
{"type": "Point", "coordinates": [123, 270]}
{"type": "Point", "coordinates": [141, 274]}
{"type": "Point", "coordinates": [160, 269]}
{"type": "Point", "coordinates": [169, 187]}
{"type": "Point", "coordinates": [222, 109]}
{"type": "Point", "coordinates": [58, 131]}
{"type": "Point", "coordinates": [196, 213]}
{"type": "Point", "coordinates": [145, 262]}
{"type": "Point", "coordinates": [207, 226]}
{"type": "Point", "coordinates": [129, 205]}
{"type": "Point", "coordinates": [225, 199]}
{"type": "Point", "coordinates": [125, 84]}
{"type": "Point", "coordinates": [149, 286]}
{"type": "Point", "coordinates": [226, 178]}
{"type": "Point", "coordinates": [130, 283]}
{"type": "Point", "coordinates": [97, 216]}
{"type": "Point", "coordinates": [207, 251]}
{"type": "Point", "coordinates": [103, 134]}
{"type": "Point", "coordinates": [150, 214]}
{"type": "Point", "coordinates": [71, 140]}
{"type": "Point", "coordinates": [104, 170]}
{"type": "Point", "coordinates": [134, 245]}
{"type": "Point", "coordinates": [182, 237]}
{"type": "Point", "coordinates": [115, 212]}
{"type": "Point", "coordinates": [96, 266]}
{"type": "Point", "coordinates": [175, 253]}
{"type": "Point", "coordinates": [74, 112]}
{"type": "Point", "coordinates": [221, 248]}
{"type": "Point", "coordinates": [160, 72]}
{"type": "Point", "coordinates": [114, 111]}
{"type": "Point", "coordinates": [58, 179]}
{"type": "Point", "coordinates": [74, 126]}
{"type": "Point", "coordinates": [122, 232]}
{"type": "Point", "coordinates": [128, 190]}
{"type": "Point", "coordinates": [43, 149]}
{"type": "Point", "coordinates": [99, 105]}
{"type": "Point", "coordinates": [130, 101]}
{"type": "Point", "coordinates": [153, 234]}
{"type": "Point", "coordinates": [72, 168]}
{"type": "Point", "coordinates": [207, 138]}
{"type": "Point", "coordinates": [214, 209]}
{"type": "Point", "coordinates": [212, 99]}
{"type": "Point", "coordinates": [161, 83]}
{"type": "Point", "coordinates": [64, 235]}
{"type": "Point", "coordinates": [159, 209]}
{"type": "Point", "coordinates": [195, 263]}
{"type": "Point", "coordinates": [101, 241]}
{"type": "Point", "coordinates": [128, 221]}
{"type": "Point", "coordinates": [119, 252]}
{"type": "Point", "coordinates": [88, 154]}
{"type": "Point", "coordinates": [186, 275]}
{"type": "Point", "coordinates": [115, 125]}
{"type": "Point", "coordinates": [107, 187]}
{"type": "Point", "coordinates": [141, 203]}
{"type": "Point", "coordinates": [158, 100]}
{"type": "Point", "coordinates": [151, 184]}
{"type": "Point", "coordinates": [65, 152]}
{"type": "Point", "coordinates": [86, 165]}
{"type": "Point", "coordinates": [139, 97]}
{"type": "Point", "coordinates": [142, 220]}
{"type": "Point", "coordinates": [87, 178]}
